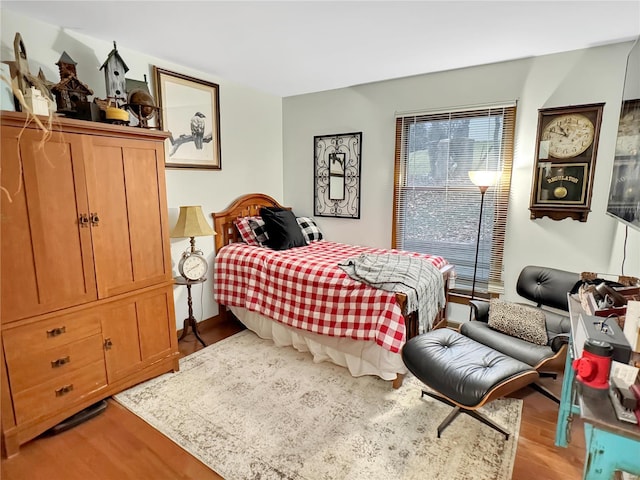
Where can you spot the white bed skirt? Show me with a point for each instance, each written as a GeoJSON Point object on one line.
{"type": "Point", "coordinates": [359, 356]}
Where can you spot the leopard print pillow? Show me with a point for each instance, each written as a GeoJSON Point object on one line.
{"type": "Point", "coordinates": [517, 320]}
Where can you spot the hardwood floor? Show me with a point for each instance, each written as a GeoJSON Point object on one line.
{"type": "Point", "coordinates": [117, 445]}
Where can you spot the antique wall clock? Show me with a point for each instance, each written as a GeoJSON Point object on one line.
{"type": "Point", "coordinates": [566, 148]}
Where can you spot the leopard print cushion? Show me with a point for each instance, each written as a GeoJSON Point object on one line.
{"type": "Point", "coordinates": [517, 320]}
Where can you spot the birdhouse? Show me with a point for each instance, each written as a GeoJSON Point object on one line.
{"type": "Point", "coordinates": [71, 94]}
{"type": "Point", "coordinates": [66, 66]}
{"type": "Point", "coordinates": [114, 71]}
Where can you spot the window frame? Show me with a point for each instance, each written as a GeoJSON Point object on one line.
{"type": "Point", "coordinates": [495, 283]}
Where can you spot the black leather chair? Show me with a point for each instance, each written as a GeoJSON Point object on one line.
{"type": "Point", "coordinates": [547, 288]}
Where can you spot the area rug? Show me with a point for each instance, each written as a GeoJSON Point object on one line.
{"type": "Point", "coordinates": [251, 410]}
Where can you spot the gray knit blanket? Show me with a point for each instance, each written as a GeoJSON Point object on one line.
{"type": "Point", "coordinates": [416, 277]}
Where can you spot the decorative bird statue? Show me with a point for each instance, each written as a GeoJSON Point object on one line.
{"type": "Point", "coordinates": [197, 129]}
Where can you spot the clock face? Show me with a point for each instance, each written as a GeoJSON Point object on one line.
{"type": "Point", "coordinates": [193, 267]}
{"type": "Point", "coordinates": [568, 135]}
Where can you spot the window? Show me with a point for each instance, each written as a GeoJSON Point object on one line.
{"type": "Point", "coordinates": [436, 207]}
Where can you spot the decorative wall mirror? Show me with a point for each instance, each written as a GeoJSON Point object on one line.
{"type": "Point", "coordinates": [624, 192]}
{"type": "Point", "coordinates": [337, 175]}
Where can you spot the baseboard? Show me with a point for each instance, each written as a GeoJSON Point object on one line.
{"type": "Point", "coordinates": [209, 323]}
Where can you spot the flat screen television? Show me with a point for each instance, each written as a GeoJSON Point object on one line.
{"type": "Point", "coordinates": [624, 191]}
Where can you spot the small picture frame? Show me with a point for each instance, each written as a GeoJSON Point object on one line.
{"type": "Point", "coordinates": [190, 112]}
{"type": "Point", "coordinates": [337, 160]}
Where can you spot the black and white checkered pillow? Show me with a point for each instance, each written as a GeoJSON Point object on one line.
{"type": "Point", "coordinates": [310, 230]}
{"type": "Point", "coordinates": [259, 230]}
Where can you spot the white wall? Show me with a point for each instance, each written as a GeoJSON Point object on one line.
{"type": "Point", "coordinates": [578, 77]}
{"type": "Point", "coordinates": [251, 132]}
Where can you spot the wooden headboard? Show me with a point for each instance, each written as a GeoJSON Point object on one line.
{"type": "Point", "coordinates": [244, 206]}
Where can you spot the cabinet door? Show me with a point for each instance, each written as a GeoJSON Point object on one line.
{"type": "Point", "coordinates": [138, 331]}
{"type": "Point", "coordinates": [126, 188]}
{"type": "Point", "coordinates": [46, 255]}
{"type": "Point", "coordinates": [121, 344]}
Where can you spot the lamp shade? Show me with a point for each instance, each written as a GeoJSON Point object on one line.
{"type": "Point", "coordinates": [484, 178]}
{"type": "Point", "coordinates": [191, 223]}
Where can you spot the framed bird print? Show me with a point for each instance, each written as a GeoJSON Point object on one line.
{"type": "Point", "coordinates": [191, 114]}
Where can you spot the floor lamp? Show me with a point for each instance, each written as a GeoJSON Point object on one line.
{"type": "Point", "coordinates": [483, 179]}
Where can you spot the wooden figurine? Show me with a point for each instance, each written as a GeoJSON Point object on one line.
{"type": "Point", "coordinates": [114, 71]}
{"type": "Point", "coordinates": [71, 94]}
{"type": "Point", "coordinates": [36, 96]}
{"type": "Point", "coordinates": [22, 75]}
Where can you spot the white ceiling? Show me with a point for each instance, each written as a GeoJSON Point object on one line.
{"type": "Point", "coordinates": [296, 47]}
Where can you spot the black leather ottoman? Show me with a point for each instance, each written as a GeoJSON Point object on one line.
{"type": "Point", "coordinates": [466, 374]}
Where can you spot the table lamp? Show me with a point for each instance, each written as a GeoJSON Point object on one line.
{"type": "Point", "coordinates": [193, 266]}
{"type": "Point", "coordinates": [191, 223]}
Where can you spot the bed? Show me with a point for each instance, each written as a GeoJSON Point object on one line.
{"type": "Point", "coordinates": [350, 324]}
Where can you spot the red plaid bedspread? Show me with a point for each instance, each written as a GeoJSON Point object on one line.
{"type": "Point", "coordinates": [304, 288]}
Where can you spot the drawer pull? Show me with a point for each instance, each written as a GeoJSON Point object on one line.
{"type": "Point", "coordinates": [60, 362]}
{"type": "Point", "coordinates": [54, 332]}
{"type": "Point", "coordinates": [83, 220]}
{"type": "Point", "coordinates": [64, 390]}
{"type": "Point", "coordinates": [108, 344]}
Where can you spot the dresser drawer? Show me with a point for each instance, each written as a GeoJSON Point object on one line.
{"type": "Point", "coordinates": [57, 394]}
{"type": "Point", "coordinates": [54, 362]}
{"type": "Point", "coordinates": [26, 340]}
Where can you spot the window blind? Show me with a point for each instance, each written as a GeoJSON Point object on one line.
{"type": "Point", "coordinates": [436, 206]}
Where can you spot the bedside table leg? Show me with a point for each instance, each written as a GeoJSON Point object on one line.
{"type": "Point", "coordinates": [185, 328]}
{"type": "Point", "coordinates": [194, 326]}
{"type": "Point", "coordinates": [191, 320]}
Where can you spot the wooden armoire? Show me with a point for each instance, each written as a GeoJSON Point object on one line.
{"type": "Point", "coordinates": [87, 297]}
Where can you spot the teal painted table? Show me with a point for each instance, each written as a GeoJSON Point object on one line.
{"type": "Point", "coordinates": [611, 444]}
